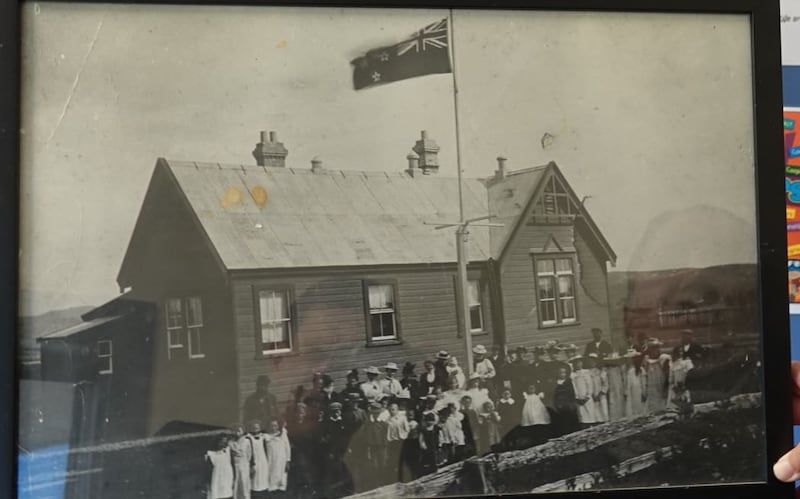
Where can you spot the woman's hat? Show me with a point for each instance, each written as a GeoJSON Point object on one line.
{"type": "Point", "coordinates": [479, 349]}
{"type": "Point", "coordinates": [408, 368]}
{"type": "Point", "coordinates": [335, 405]}
{"type": "Point", "coordinates": [372, 370]}
{"type": "Point", "coordinates": [443, 355]}
{"type": "Point", "coordinates": [390, 366]}
{"type": "Point", "coordinates": [353, 374]}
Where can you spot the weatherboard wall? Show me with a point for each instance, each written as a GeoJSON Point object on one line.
{"type": "Point", "coordinates": [518, 280]}
{"type": "Point", "coordinates": [329, 324]}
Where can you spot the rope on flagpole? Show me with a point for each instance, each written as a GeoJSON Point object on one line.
{"type": "Point", "coordinates": [458, 129]}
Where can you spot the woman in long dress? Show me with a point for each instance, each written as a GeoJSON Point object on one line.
{"type": "Point", "coordinates": [242, 453]}
{"type": "Point", "coordinates": [599, 389]}
{"type": "Point", "coordinates": [584, 392]}
{"type": "Point", "coordinates": [678, 371]}
{"type": "Point", "coordinates": [615, 371]}
{"type": "Point", "coordinates": [279, 457]}
{"type": "Point", "coordinates": [657, 368]}
{"type": "Point", "coordinates": [635, 380]}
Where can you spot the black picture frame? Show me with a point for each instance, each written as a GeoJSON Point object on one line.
{"type": "Point", "coordinates": [767, 104]}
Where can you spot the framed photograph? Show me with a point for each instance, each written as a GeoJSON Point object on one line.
{"type": "Point", "coordinates": [377, 251]}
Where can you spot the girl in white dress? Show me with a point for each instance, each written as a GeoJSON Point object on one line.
{"type": "Point", "coordinates": [279, 455]}
{"type": "Point", "coordinates": [535, 420]}
{"type": "Point", "coordinates": [599, 389]}
{"type": "Point", "coordinates": [221, 483]}
{"type": "Point", "coordinates": [455, 371]}
{"type": "Point", "coordinates": [242, 454]}
{"type": "Point", "coordinates": [479, 395]}
{"type": "Point", "coordinates": [656, 365]}
{"type": "Point", "coordinates": [259, 473]}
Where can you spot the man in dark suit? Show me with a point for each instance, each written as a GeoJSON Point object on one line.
{"type": "Point", "coordinates": [689, 349]}
{"type": "Point", "coordinates": [598, 345]}
{"type": "Point", "coordinates": [262, 404]}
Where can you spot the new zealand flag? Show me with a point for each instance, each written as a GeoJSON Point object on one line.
{"type": "Point", "coordinates": [423, 54]}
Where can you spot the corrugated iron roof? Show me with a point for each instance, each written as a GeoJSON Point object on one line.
{"type": "Point", "coordinates": [261, 217]}
{"type": "Point", "coordinates": [79, 328]}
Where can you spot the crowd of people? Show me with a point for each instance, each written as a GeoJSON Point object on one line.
{"type": "Point", "coordinates": [386, 428]}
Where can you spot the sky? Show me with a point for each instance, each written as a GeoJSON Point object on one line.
{"type": "Point", "coordinates": [650, 115]}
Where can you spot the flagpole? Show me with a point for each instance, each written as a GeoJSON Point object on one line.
{"type": "Point", "coordinates": [462, 233]}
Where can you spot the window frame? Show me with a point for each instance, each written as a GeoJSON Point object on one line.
{"type": "Point", "coordinates": [292, 320]}
{"type": "Point", "coordinates": [174, 329]}
{"type": "Point", "coordinates": [480, 283]}
{"type": "Point", "coordinates": [198, 328]}
{"type": "Point", "coordinates": [553, 256]}
{"type": "Point", "coordinates": [109, 356]}
{"type": "Point", "coordinates": [384, 340]}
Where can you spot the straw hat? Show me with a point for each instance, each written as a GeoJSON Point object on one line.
{"type": "Point", "coordinates": [479, 349]}
{"type": "Point", "coordinates": [372, 370]}
{"type": "Point", "coordinates": [443, 355]}
{"type": "Point", "coordinates": [390, 366]}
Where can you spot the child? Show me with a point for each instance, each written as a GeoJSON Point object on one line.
{"type": "Point", "coordinates": [478, 394]}
{"type": "Point", "coordinates": [429, 439]}
{"type": "Point", "coordinates": [470, 424]}
{"type": "Point", "coordinates": [635, 381]}
{"type": "Point", "coordinates": [455, 371]}
{"type": "Point", "coordinates": [259, 471]}
{"type": "Point", "coordinates": [397, 430]}
{"type": "Point", "coordinates": [510, 413]}
{"type": "Point", "coordinates": [221, 483]}
{"type": "Point", "coordinates": [384, 413]}
{"type": "Point", "coordinates": [242, 455]}
{"type": "Point", "coordinates": [489, 421]}
{"type": "Point", "coordinates": [535, 421]}
{"type": "Point", "coordinates": [279, 456]}
{"type": "Point", "coordinates": [452, 434]}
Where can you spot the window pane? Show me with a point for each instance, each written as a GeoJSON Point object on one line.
{"type": "Point", "coordinates": [104, 364]}
{"type": "Point", "coordinates": [175, 338]}
{"type": "Point", "coordinates": [475, 318]}
{"type": "Point", "coordinates": [381, 296]}
{"type": "Point", "coordinates": [565, 287]}
{"type": "Point", "coordinates": [174, 313]}
{"type": "Point", "coordinates": [194, 311]}
{"type": "Point", "coordinates": [194, 342]}
{"type": "Point", "coordinates": [376, 325]}
{"type": "Point", "coordinates": [387, 326]}
{"type": "Point", "coordinates": [104, 348]}
{"type": "Point", "coordinates": [548, 311]}
{"type": "Point", "coordinates": [473, 293]}
{"type": "Point", "coordinates": [546, 288]}
{"type": "Point", "coordinates": [564, 266]}
{"type": "Point", "coordinates": [568, 309]}
{"type": "Point", "coordinates": [273, 306]}
{"type": "Point", "coordinates": [544, 266]}
{"type": "Point", "coordinates": [562, 205]}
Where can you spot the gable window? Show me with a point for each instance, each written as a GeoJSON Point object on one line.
{"type": "Point", "coordinates": [185, 326]}
{"type": "Point", "coordinates": [104, 360]}
{"type": "Point", "coordinates": [475, 306]}
{"type": "Point", "coordinates": [275, 321]}
{"type": "Point", "coordinates": [381, 312]}
{"type": "Point", "coordinates": [554, 203]}
{"type": "Point", "coordinates": [555, 287]}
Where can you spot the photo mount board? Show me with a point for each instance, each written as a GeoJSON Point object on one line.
{"type": "Point", "coordinates": [771, 231]}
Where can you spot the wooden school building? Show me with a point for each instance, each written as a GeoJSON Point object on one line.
{"type": "Point", "coordinates": [270, 269]}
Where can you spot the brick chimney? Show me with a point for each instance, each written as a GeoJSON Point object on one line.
{"type": "Point", "coordinates": [270, 152]}
{"type": "Point", "coordinates": [316, 165]}
{"type": "Point", "coordinates": [427, 150]}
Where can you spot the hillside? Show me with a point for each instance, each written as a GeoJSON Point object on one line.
{"type": "Point", "coordinates": [32, 327]}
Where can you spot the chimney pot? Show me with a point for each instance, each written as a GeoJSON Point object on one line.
{"type": "Point", "coordinates": [501, 167]}
{"type": "Point", "coordinates": [316, 165]}
{"type": "Point", "coordinates": [424, 134]}
{"type": "Point", "coordinates": [413, 163]}
{"type": "Point", "coordinates": [270, 152]}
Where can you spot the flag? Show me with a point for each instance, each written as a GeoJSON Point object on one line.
{"type": "Point", "coordinates": [424, 53]}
